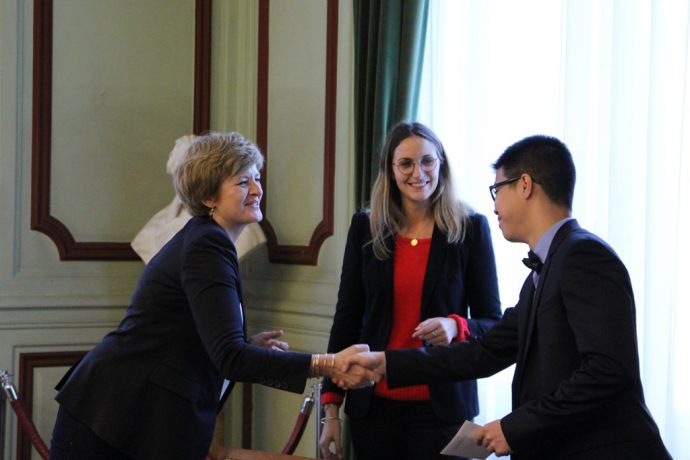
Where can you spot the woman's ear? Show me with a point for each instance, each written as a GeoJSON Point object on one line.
{"type": "Point", "coordinates": [210, 203]}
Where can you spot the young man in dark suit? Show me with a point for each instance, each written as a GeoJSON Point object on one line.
{"type": "Point", "coordinates": [576, 390]}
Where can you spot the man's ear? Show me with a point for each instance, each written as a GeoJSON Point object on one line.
{"type": "Point", "coordinates": [527, 184]}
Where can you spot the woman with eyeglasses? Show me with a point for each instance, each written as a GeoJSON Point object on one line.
{"type": "Point", "coordinates": [418, 271]}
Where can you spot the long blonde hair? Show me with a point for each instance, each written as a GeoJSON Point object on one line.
{"type": "Point", "coordinates": [386, 214]}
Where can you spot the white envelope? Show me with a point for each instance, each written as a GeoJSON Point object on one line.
{"type": "Point", "coordinates": [463, 443]}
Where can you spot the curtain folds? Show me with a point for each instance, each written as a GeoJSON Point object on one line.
{"type": "Point", "coordinates": [389, 52]}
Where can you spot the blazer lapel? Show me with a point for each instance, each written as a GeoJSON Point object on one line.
{"type": "Point", "coordinates": [231, 383]}
{"type": "Point", "coordinates": [533, 306]}
{"type": "Point", "coordinates": [242, 311]}
{"type": "Point", "coordinates": [531, 303]}
{"type": "Point", "coordinates": [388, 281]}
{"type": "Point", "coordinates": [434, 266]}
{"type": "Point", "coordinates": [525, 320]}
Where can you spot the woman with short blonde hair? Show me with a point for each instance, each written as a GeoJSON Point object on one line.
{"type": "Point", "coordinates": [207, 162]}
{"type": "Point", "coordinates": [152, 388]}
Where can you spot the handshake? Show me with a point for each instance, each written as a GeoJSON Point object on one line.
{"type": "Point", "coordinates": [357, 367]}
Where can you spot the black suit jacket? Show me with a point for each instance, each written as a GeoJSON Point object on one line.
{"type": "Point", "coordinates": [576, 391]}
{"type": "Point", "coordinates": [460, 278]}
{"type": "Point", "coordinates": [152, 387]}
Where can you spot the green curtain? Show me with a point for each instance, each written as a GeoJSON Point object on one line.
{"type": "Point", "coordinates": [389, 51]}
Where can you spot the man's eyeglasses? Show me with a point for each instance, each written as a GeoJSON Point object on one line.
{"type": "Point", "coordinates": [406, 165]}
{"type": "Point", "coordinates": [494, 188]}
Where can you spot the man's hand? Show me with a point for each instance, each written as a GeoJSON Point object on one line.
{"type": "Point", "coordinates": [491, 437]}
{"type": "Point", "coordinates": [351, 376]}
{"type": "Point", "coordinates": [269, 339]}
{"type": "Point", "coordinates": [361, 370]}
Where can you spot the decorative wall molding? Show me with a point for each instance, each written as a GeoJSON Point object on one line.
{"type": "Point", "coordinates": [300, 254]}
{"type": "Point", "coordinates": [28, 362]}
{"type": "Point", "coordinates": [41, 218]}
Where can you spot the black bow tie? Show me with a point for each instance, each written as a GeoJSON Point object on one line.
{"type": "Point", "coordinates": [532, 261]}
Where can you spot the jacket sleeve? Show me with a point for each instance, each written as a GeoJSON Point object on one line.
{"type": "Point", "coordinates": [211, 281]}
{"type": "Point", "coordinates": [469, 360]}
{"type": "Point", "coordinates": [481, 280]}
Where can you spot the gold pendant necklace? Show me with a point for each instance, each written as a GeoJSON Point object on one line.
{"type": "Point", "coordinates": [414, 242]}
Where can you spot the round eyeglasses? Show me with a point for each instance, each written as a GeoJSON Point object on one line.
{"type": "Point", "coordinates": [406, 165]}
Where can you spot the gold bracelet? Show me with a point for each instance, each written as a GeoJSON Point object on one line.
{"type": "Point", "coordinates": [314, 366]}
{"type": "Point", "coordinates": [327, 367]}
{"type": "Point", "coordinates": [332, 360]}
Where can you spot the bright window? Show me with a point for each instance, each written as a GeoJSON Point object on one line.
{"type": "Point", "coordinates": [610, 78]}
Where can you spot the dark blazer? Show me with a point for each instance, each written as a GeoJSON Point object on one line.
{"type": "Point", "coordinates": [576, 391]}
{"type": "Point", "coordinates": [460, 278]}
{"type": "Point", "coordinates": [151, 388]}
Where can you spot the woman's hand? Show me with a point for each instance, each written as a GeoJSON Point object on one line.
{"type": "Point", "coordinates": [330, 434]}
{"type": "Point", "coordinates": [436, 331]}
{"type": "Point", "coordinates": [361, 369]}
{"type": "Point", "coordinates": [269, 339]}
{"type": "Point", "coordinates": [350, 376]}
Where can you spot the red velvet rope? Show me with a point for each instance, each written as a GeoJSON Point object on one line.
{"type": "Point", "coordinates": [28, 427]}
{"type": "Point", "coordinates": [297, 433]}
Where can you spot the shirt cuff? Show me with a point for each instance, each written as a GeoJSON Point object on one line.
{"type": "Point", "coordinates": [331, 398]}
{"type": "Point", "coordinates": [463, 329]}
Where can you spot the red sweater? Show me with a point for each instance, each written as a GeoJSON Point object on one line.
{"type": "Point", "coordinates": [409, 269]}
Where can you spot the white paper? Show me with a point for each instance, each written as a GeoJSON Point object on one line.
{"type": "Point", "coordinates": [463, 443]}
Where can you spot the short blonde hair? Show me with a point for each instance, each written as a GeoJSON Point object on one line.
{"type": "Point", "coordinates": [207, 162]}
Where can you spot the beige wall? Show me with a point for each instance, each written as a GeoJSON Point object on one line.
{"type": "Point", "coordinates": [106, 183]}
